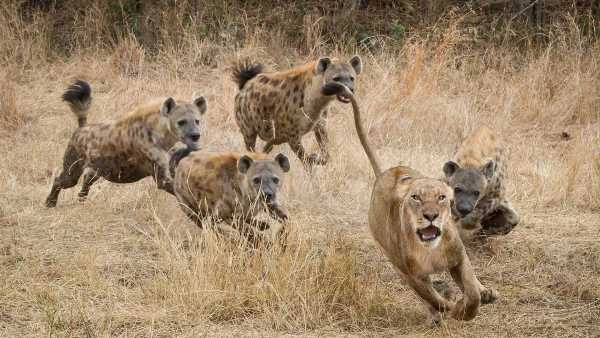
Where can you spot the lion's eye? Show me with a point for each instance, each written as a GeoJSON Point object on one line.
{"type": "Point", "coordinates": [256, 180]}
{"type": "Point", "coordinates": [181, 123]}
{"type": "Point", "coordinates": [416, 197]}
{"type": "Point", "coordinates": [442, 198]}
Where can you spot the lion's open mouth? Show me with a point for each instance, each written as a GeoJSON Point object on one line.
{"type": "Point", "coordinates": [342, 98]}
{"type": "Point", "coordinates": [429, 233]}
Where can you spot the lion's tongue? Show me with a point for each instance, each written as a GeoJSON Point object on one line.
{"type": "Point", "coordinates": [429, 233]}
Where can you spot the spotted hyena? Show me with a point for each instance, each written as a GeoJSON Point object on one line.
{"type": "Point", "coordinates": [128, 149]}
{"type": "Point", "coordinates": [232, 187]}
{"type": "Point", "coordinates": [281, 107]}
{"type": "Point", "coordinates": [477, 176]}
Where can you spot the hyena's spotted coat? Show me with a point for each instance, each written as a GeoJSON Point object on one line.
{"type": "Point", "coordinates": [477, 175]}
{"type": "Point", "coordinates": [281, 107]}
{"type": "Point", "coordinates": [129, 149]}
{"type": "Point", "coordinates": [231, 187]}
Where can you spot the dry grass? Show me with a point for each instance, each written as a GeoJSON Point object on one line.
{"type": "Point", "coordinates": [128, 263]}
{"type": "Point", "coordinates": [10, 117]}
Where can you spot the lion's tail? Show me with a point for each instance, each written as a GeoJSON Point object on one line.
{"type": "Point", "coordinates": [334, 88]}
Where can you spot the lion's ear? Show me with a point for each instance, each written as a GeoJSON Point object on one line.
{"type": "Point", "coordinates": [450, 168]}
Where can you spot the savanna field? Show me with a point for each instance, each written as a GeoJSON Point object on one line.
{"type": "Point", "coordinates": [128, 263]}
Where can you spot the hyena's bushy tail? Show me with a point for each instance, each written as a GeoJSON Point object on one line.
{"type": "Point", "coordinates": [79, 97]}
{"type": "Point", "coordinates": [244, 70]}
{"type": "Point", "coordinates": [177, 155]}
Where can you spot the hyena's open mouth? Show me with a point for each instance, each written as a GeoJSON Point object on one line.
{"type": "Point", "coordinates": [343, 98]}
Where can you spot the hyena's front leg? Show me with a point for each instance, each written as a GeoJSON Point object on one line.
{"type": "Point", "coordinates": [73, 164]}
{"type": "Point", "coordinates": [322, 140]}
{"type": "Point", "coordinates": [511, 215]}
{"type": "Point", "coordinates": [277, 212]}
{"type": "Point", "coordinates": [160, 162]}
{"type": "Point", "coordinates": [501, 221]}
{"type": "Point", "coordinates": [298, 148]}
{"type": "Point", "coordinates": [163, 178]}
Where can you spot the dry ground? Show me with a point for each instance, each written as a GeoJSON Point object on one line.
{"type": "Point", "coordinates": [127, 262]}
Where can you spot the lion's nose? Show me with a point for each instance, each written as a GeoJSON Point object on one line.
{"type": "Point", "coordinates": [430, 215]}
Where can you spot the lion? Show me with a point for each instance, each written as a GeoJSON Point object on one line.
{"type": "Point", "coordinates": [410, 217]}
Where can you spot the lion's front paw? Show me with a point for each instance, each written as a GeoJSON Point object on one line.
{"type": "Point", "coordinates": [435, 319]}
{"type": "Point", "coordinates": [444, 289]}
{"type": "Point", "coordinates": [464, 310]}
{"type": "Point", "coordinates": [488, 296]}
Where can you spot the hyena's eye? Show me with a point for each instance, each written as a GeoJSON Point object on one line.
{"type": "Point", "coordinates": [457, 190]}
{"type": "Point", "coordinates": [352, 78]}
{"type": "Point", "coordinates": [275, 180]}
{"type": "Point", "coordinates": [256, 180]}
{"type": "Point", "coordinates": [337, 79]}
{"type": "Point", "coordinates": [476, 193]}
{"type": "Point", "coordinates": [181, 123]}
{"type": "Point", "coordinates": [197, 122]}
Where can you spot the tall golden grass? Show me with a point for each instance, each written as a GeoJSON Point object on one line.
{"type": "Point", "coordinates": [128, 263]}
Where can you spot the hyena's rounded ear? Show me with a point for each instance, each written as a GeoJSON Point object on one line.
{"type": "Point", "coordinates": [322, 65]}
{"type": "Point", "coordinates": [200, 102]}
{"type": "Point", "coordinates": [283, 162]}
{"type": "Point", "coordinates": [488, 169]}
{"type": "Point", "coordinates": [167, 106]}
{"type": "Point", "coordinates": [450, 168]}
{"type": "Point", "coordinates": [356, 63]}
{"type": "Point", "coordinates": [244, 163]}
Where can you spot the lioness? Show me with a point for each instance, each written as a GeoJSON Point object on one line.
{"type": "Point", "coordinates": [410, 218]}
